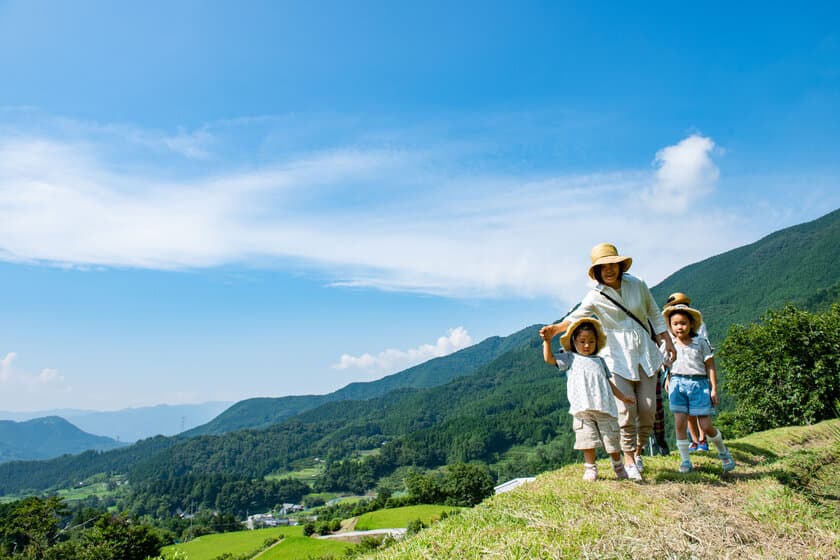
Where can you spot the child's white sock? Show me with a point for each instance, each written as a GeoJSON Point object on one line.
{"type": "Point", "coordinates": [718, 441]}
{"type": "Point", "coordinates": [682, 447]}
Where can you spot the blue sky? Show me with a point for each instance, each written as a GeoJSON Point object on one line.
{"type": "Point", "coordinates": [212, 201]}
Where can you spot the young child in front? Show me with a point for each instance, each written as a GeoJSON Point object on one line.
{"type": "Point", "coordinates": [692, 383]}
{"type": "Point", "coordinates": [590, 391]}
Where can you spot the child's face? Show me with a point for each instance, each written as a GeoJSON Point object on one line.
{"type": "Point", "coordinates": [585, 343]}
{"type": "Point", "coordinates": [681, 325]}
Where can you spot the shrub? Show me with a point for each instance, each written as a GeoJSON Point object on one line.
{"type": "Point", "coordinates": [783, 370]}
{"type": "Point", "coordinates": [415, 526]}
{"type": "Point", "coordinates": [309, 529]}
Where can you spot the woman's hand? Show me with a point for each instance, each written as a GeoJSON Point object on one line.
{"type": "Point", "coordinates": [550, 331]}
{"type": "Point", "coordinates": [714, 395]}
{"type": "Point", "coordinates": [628, 399]}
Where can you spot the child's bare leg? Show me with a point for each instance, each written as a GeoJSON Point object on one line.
{"type": "Point", "coordinates": [680, 423]}
{"type": "Point", "coordinates": [694, 429]}
{"type": "Point", "coordinates": [590, 470]}
{"type": "Point", "coordinates": [705, 424]}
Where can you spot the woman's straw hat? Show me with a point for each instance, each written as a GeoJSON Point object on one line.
{"type": "Point", "coordinates": [678, 298]}
{"type": "Point", "coordinates": [696, 316]}
{"type": "Point", "coordinates": [600, 337]}
{"type": "Point", "coordinates": [606, 253]}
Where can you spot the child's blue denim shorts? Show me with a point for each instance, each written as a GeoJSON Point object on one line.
{"type": "Point", "coordinates": [690, 394]}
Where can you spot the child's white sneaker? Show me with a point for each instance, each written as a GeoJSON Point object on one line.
{"type": "Point", "coordinates": [632, 472]}
{"type": "Point", "coordinates": [590, 472]}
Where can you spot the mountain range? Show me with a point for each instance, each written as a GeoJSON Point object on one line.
{"type": "Point", "coordinates": [479, 403]}
{"type": "Point", "coordinates": [45, 438]}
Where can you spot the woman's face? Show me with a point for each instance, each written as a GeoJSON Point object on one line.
{"type": "Point", "coordinates": [611, 274]}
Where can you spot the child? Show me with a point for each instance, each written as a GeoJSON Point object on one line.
{"type": "Point", "coordinates": [588, 388]}
{"type": "Point", "coordinates": [692, 383]}
{"type": "Point", "coordinates": [695, 432]}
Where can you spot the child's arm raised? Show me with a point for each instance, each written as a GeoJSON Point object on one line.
{"type": "Point", "coordinates": [629, 399]}
{"type": "Point", "coordinates": [548, 355]}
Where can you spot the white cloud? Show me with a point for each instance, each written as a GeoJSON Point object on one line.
{"type": "Point", "coordinates": [9, 375]}
{"type": "Point", "coordinates": [685, 172]}
{"type": "Point", "coordinates": [389, 219]}
{"type": "Point", "coordinates": [393, 360]}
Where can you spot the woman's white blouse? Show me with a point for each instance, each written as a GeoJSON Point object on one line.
{"type": "Point", "coordinates": [628, 343]}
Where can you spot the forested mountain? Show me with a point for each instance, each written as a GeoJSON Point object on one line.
{"type": "Point", "coordinates": [262, 412]}
{"type": "Point", "coordinates": [798, 265]}
{"type": "Point", "coordinates": [488, 406]}
{"type": "Point", "coordinates": [45, 438]}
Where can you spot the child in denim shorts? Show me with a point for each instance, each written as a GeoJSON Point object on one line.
{"type": "Point", "coordinates": [590, 391]}
{"type": "Point", "coordinates": [692, 383]}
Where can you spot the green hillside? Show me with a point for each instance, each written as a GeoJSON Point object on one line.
{"type": "Point", "coordinates": [783, 501]}
{"type": "Point", "coordinates": [45, 438]}
{"type": "Point", "coordinates": [263, 412]}
{"type": "Point", "coordinates": [799, 265]}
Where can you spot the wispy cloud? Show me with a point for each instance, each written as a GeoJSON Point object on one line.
{"type": "Point", "coordinates": [392, 360]}
{"type": "Point", "coordinates": [393, 218]}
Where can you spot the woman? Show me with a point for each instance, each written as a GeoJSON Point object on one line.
{"type": "Point", "coordinates": [631, 354]}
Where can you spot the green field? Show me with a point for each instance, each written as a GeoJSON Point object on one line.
{"type": "Point", "coordinates": [236, 543]}
{"type": "Point", "coordinates": [302, 548]}
{"type": "Point", "coordinates": [304, 474]}
{"type": "Point", "coordinates": [397, 518]}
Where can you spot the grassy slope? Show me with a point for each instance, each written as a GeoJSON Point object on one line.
{"type": "Point", "coordinates": [781, 502]}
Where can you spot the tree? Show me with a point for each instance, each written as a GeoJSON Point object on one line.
{"type": "Point", "coordinates": [32, 525]}
{"type": "Point", "coordinates": [467, 484]}
{"type": "Point", "coordinates": [424, 488]}
{"type": "Point", "coordinates": [783, 370]}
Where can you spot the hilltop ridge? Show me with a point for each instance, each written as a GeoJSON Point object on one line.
{"type": "Point", "coordinates": [781, 502]}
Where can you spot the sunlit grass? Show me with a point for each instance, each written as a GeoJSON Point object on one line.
{"type": "Point", "coordinates": [304, 548]}
{"type": "Point", "coordinates": [208, 547]}
{"type": "Point", "coordinates": [400, 517]}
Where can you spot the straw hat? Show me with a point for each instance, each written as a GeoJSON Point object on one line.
{"type": "Point", "coordinates": [696, 316]}
{"type": "Point", "coordinates": [606, 253]}
{"type": "Point", "coordinates": [678, 298]}
{"type": "Point", "coordinates": [600, 337]}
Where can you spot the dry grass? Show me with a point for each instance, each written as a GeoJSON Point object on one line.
{"type": "Point", "coordinates": [780, 503]}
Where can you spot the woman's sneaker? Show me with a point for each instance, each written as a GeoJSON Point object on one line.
{"type": "Point", "coordinates": [590, 473]}
{"type": "Point", "coordinates": [632, 472]}
{"type": "Point", "coordinates": [727, 461]}
{"type": "Point", "coordinates": [686, 467]}
{"type": "Point", "coordinates": [640, 466]}
{"type": "Point", "coordinates": [692, 447]}
{"type": "Point", "coordinates": [703, 446]}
